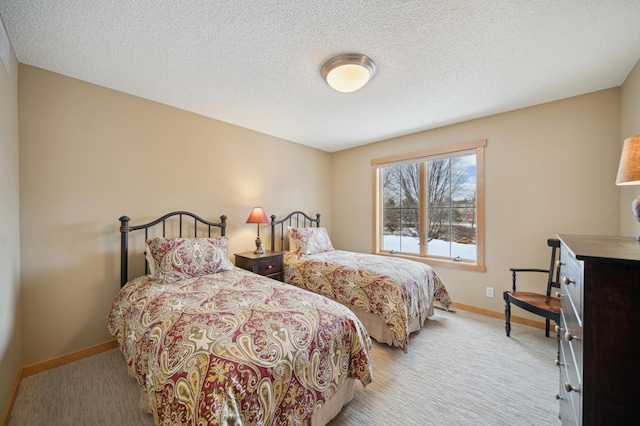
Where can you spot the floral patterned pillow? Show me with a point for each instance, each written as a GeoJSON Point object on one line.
{"type": "Point", "coordinates": [310, 240]}
{"type": "Point", "coordinates": [175, 259]}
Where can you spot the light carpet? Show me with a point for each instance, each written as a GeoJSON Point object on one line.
{"type": "Point", "coordinates": [461, 369]}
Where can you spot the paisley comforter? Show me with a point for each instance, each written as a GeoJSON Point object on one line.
{"type": "Point", "coordinates": [236, 348]}
{"type": "Point", "coordinates": [397, 290]}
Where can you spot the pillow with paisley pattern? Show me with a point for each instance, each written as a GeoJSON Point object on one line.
{"type": "Point", "coordinates": [175, 259]}
{"type": "Point", "coordinates": [310, 240]}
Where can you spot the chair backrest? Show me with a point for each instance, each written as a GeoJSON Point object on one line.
{"type": "Point", "coordinates": [554, 267]}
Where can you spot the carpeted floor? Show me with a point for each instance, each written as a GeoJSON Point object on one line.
{"type": "Point", "coordinates": [461, 369]}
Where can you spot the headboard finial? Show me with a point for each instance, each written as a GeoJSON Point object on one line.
{"type": "Point", "coordinates": [124, 224]}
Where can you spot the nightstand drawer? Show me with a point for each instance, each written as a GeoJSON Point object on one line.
{"type": "Point", "coordinates": [268, 266]}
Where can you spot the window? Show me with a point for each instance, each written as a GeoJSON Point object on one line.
{"type": "Point", "coordinates": [430, 205]}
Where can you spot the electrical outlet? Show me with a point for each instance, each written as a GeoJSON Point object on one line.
{"type": "Point", "coordinates": [489, 291]}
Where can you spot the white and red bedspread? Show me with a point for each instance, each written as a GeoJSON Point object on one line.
{"type": "Point", "coordinates": [236, 348]}
{"type": "Point", "coordinates": [395, 289]}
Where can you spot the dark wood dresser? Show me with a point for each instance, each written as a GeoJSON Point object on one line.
{"type": "Point", "coordinates": [600, 316]}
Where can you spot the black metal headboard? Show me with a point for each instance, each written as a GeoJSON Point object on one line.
{"type": "Point", "coordinates": [125, 229]}
{"type": "Point", "coordinates": [295, 219]}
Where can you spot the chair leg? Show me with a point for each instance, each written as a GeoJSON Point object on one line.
{"type": "Point", "coordinates": [507, 315]}
{"type": "Point", "coordinates": [546, 328]}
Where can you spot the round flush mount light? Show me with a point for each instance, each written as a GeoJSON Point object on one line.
{"type": "Point", "coordinates": [348, 72]}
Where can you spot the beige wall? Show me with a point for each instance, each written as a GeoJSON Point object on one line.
{"type": "Point", "coordinates": [89, 155]}
{"type": "Point", "coordinates": [10, 358]}
{"type": "Point", "coordinates": [629, 126]}
{"type": "Point", "coordinates": [549, 170]}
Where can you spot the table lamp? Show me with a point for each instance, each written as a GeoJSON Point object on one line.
{"type": "Point", "coordinates": [258, 216]}
{"type": "Point", "coordinates": [629, 170]}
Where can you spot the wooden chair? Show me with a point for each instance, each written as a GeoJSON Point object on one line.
{"type": "Point", "coordinates": [542, 304]}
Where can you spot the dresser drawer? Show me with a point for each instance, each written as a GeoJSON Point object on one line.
{"type": "Point", "coordinates": [569, 401]}
{"type": "Point", "coordinates": [571, 282]}
{"type": "Point", "coordinates": [268, 266]}
{"type": "Point", "coordinates": [571, 343]}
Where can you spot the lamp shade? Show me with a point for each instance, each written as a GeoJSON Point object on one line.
{"type": "Point", "coordinates": [257, 216]}
{"type": "Point", "coordinates": [629, 168]}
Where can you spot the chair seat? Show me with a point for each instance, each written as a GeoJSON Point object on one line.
{"type": "Point", "coordinates": [540, 301]}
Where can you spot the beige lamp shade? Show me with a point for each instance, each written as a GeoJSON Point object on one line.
{"type": "Point", "coordinates": [629, 171]}
{"type": "Point", "coordinates": [629, 168]}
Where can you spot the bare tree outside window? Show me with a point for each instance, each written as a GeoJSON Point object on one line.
{"type": "Point", "coordinates": [401, 207]}
{"type": "Point", "coordinates": [430, 205]}
{"type": "Point", "coordinates": [450, 205]}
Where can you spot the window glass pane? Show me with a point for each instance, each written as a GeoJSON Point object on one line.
{"type": "Point", "coordinates": [464, 233]}
{"type": "Point", "coordinates": [410, 185]}
{"type": "Point", "coordinates": [391, 224]}
{"type": "Point", "coordinates": [438, 208]}
{"type": "Point", "coordinates": [400, 192]}
{"type": "Point", "coordinates": [463, 207]}
{"type": "Point", "coordinates": [438, 239]}
{"type": "Point", "coordinates": [451, 207]}
{"type": "Point", "coordinates": [410, 236]}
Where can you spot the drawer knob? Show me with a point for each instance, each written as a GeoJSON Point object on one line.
{"type": "Point", "coordinates": [558, 397]}
{"type": "Point", "coordinates": [558, 363]}
{"type": "Point", "coordinates": [569, 337]}
{"type": "Point", "coordinates": [567, 281]}
{"type": "Point", "coordinates": [559, 263]}
{"type": "Point", "coordinates": [559, 295]}
{"type": "Point", "coordinates": [569, 388]}
{"type": "Point", "coordinates": [559, 329]}
{"type": "Point", "coordinates": [270, 266]}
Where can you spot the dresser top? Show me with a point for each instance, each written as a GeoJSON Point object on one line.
{"type": "Point", "coordinates": [592, 247]}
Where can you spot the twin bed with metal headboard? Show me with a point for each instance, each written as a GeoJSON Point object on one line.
{"type": "Point", "coordinates": [391, 296]}
{"type": "Point", "coordinates": [210, 343]}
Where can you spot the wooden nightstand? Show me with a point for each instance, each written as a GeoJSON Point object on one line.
{"type": "Point", "coordinates": [268, 264]}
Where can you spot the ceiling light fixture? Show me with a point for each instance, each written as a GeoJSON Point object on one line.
{"type": "Point", "coordinates": [348, 72]}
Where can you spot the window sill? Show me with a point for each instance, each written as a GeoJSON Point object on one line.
{"type": "Point", "coordinates": [446, 263]}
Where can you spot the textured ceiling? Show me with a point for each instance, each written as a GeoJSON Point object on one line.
{"type": "Point", "coordinates": [256, 63]}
